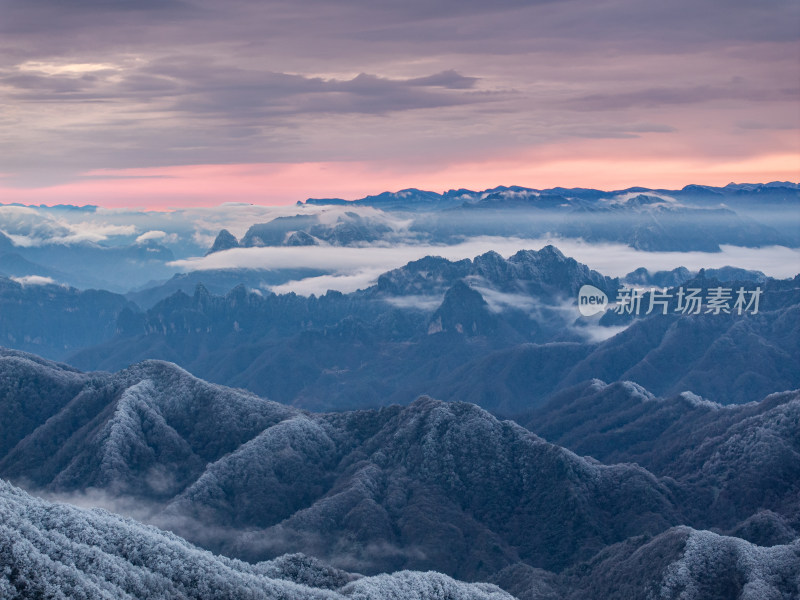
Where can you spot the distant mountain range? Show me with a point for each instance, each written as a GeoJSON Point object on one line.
{"type": "Point", "coordinates": [218, 282]}
{"type": "Point", "coordinates": [698, 218]}
{"type": "Point", "coordinates": [77, 246]}
{"type": "Point", "coordinates": [86, 264]}
{"type": "Point", "coordinates": [725, 358]}
{"type": "Point", "coordinates": [430, 486]}
{"type": "Point", "coordinates": [777, 192]}
{"type": "Point", "coordinates": [503, 333]}
{"type": "Point", "coordinates": [681, 275]}
{"type": "Point", "coordinates": [54, 320]}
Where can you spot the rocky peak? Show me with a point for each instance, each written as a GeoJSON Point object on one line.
{"type": "Point", "coordinates": [225, 241]}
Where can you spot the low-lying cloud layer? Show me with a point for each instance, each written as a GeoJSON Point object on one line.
{"type": "Point", "coordinates": [27, 226]}
{"type": "Point", "coordinates": [354, 268]}
{"type": "Point", "coordinates": [34, 280]}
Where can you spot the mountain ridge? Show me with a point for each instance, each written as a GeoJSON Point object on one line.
{"type": "Point", "coordinates": [432, 486]}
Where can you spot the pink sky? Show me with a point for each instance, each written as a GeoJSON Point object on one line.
{"type": "Point", "coordinates": [211, 103]}
{"type": "Point", "coordinates": [287, 183]}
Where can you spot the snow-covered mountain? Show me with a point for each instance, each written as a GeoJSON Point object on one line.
{"type": "Point", "coordinates": [56, 550]}
{"type": "Point", "coordinates": [432, 486]}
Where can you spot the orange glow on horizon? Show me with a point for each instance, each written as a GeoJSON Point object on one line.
{"type": "Point", "coordinates": [285, 183]}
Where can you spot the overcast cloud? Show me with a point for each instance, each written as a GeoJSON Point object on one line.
{"type": "Point", "coordinates": [102, 84]}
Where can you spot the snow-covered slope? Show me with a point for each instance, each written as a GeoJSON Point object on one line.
{"type": "Point", "coordinates": [59, 551]}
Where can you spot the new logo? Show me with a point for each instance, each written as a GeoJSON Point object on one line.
{"type": "Point", "coordinates": [591, 300]}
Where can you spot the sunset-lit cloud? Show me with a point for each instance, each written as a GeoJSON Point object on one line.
{"type": "Point", "coordinates": [159, 104]}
